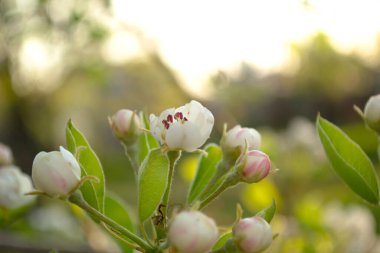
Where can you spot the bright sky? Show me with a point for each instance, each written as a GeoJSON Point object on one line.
{"type": "Point", "coordinates": [199, 37]}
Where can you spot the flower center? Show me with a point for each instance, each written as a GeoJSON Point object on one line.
{"type": "Point", "coordinates": [178, 116]}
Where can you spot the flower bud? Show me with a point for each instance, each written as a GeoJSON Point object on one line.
{"type": "Point", "coordinates": [13, 185]}
{"type": "Point", "coordinates": [253, 166]}
{"type": "Point", "coordinates": [56, 173]}
{"type": "Point", "coordinates": [252, 235]}
{"type": "Point", "coordinates": [372, 113]}
{"type": "Point", "coordinates": [125, 125]}
{"type": "Point", "coordinates": [6, 156]}
{"type": "Point", "coordinates": [193, 232]}
{"type": "Point", "coordinates": [238, 137]}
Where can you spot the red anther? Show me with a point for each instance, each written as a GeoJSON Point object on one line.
{"type": "Point", "coordinates": [178, 115]}
{"type": "Point", "coordinates": [166, 124]}
{"type": "Point", "coordinates": [169, 118]}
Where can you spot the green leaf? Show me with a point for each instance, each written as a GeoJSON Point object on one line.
{"type": "Point", "coordinates": [207, 166]}
{"type": "Point", "coordinates": [118, 211]}
{"type": "Point", "coordinates": [152, 182]}
{"type": "Point", "coordinates": [147, 141]}
{"type": "Point", "coordinates": [93, 192]}
{"type": "Point", "coordinates": [268, 212]}
{"type": "Point", "coordinates": [222, 240]}
{"type": "Point", "coordinates": [349, 161]}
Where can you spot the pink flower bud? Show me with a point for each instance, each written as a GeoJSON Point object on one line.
{"type": "Point", "coordinates": [372, 113]}
{"type": "Point", "coordinates": [193, 232]}
{"type": "Point", "coordinates": [125, 125]}
{"type": "Point", "coordinates": [56, 173]}
{"type": "Point", "coordinates": [253, 166]}
{"type": "Point", "coordinates": [6, 156]}
{"type": "Point", "coordinates": [252, 235]}
{"type": "Point", "coordinates": [13, 185]}
{"type": "Point", "coordinates": [238, 137]}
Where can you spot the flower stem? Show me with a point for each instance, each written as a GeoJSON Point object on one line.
{"type": "Point", "coordinates": [229, 181]}
{"type": "Point", "coordinates": [77, 199]}
{"type": "Point", "coordinates": [161, 227]}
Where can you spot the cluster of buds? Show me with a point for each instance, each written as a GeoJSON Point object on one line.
{"type": "Point", "coordinates": [194, 232]}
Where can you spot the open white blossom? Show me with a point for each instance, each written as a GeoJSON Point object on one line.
{"type": "Point", "coordinates": [13, 186]}
{"type": "Point", "coordinates": [56, 173]}
{"type": "Point", "coordinates": [185, 128]}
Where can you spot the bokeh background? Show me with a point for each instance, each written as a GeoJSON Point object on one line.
{"type": "Point", "coordinates": [272, 65]}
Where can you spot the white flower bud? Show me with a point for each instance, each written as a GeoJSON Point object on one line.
{"type": "Point", "coordinates": [193, 232]}
{"type": "Point", "coordinates": [238, 137]}
{"type": "Point", "coordinates": [56, 173]}
{"type": "Point", "coordinates": [185, 128]}
{"type": "Point", "coordinates": [6, 156]}
{"type": "Point", "coordinates": [372, 113]}
{"type": "Point", "coordinates": [252, 235]}
{"type": "Point", "coordinates": [125, 125]}
{"type": "Point", "coordinates": [253, 166]}
{"type": "Point", "coordinates": [13, 186]}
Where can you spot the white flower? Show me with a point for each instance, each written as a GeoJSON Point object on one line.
{"type": "Point", "coordinates": [372, 113]}
{"type": "Point", "coordinates": [253, 166]}
{"type": "Point", "coordinates": [185, 128]}
{"type": "Point", "coordinates": [56, 173]}
{"type": "Point", "coordinates": [125, 125]}
{"type": "Point", "coordinates": [6, 156]}
{"type": "Point", "coordinates": [13, 186]}
{"type": "Point", "coordinates": [192, 232]}
{"type": "Point", "coordinates": [238, 136]}
{"type": "Point", "coordinates": [252, 235]}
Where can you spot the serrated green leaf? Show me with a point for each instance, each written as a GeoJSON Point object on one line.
{"type": "Point", "coordinates": [152, 182]}
{"type": "Point", "coordinates": [268, 212]}
{"type": "Point", "coordinates": [349, 161]}
{"type": "Point", "coordinates": [118, 211]}
{"type": "Point", "coordinates": [206, 169]}
{"type": "Point", "coordinates": [93, 192]}
{"type": "Point", "coordinates": [222, 240]}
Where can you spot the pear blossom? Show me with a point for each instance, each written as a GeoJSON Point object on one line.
{"type": "Point", "coordinates": [192, 232]}
{"type": "Point", "coordinates": [253, 166]}
{"type": "Point", "coordinates": [238, 137]}
{"type": "Point", "coordinates": [252, 234]}
{"type": "Point", "coordinates": [56, 173]}
{"type": "Point", "coordinates": [6, 156]}
{"type": "Point", "coordinates": [184, 128]}
{"type": "Point", "coordinates": [125, 125]}
{"type": "Point", "coordinates": [13, 186]}
{"type": "Point", "coordinates": [372, 113]}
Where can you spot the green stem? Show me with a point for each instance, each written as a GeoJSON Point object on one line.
{"type": "Point", "coordinates": [161, 227]}
{"type": "Point", "coordinates": [78, 200]}
{"type": "Point", "coordinates": [229, 181]}
{"type": "Point", "coordinates": [221, 170]}
{"type": "Point", "coordinates": [130, 152]}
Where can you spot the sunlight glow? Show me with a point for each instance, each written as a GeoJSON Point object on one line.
{"type": "Point", "coordinates": [198, 37]}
